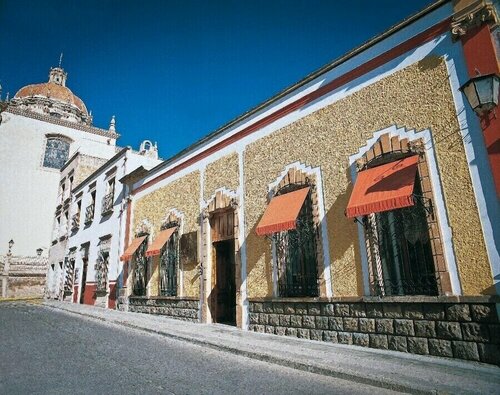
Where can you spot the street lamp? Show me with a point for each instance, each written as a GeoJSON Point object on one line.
{"type": "Point", "coordinates": [482, 92]}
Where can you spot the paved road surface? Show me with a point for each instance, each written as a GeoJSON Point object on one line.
{"type": "Point", "coordinates": [43, 351]}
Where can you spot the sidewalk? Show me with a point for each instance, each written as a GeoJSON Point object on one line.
{"type": "Point", "coordinates": [381, 368]}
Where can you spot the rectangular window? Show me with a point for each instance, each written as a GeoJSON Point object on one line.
{"type": "Point", "coordinates": [296, 256]}
{"type": "Point", "coordinates": [102, 265]}
{"type": "Point", "coordinates": [65, 224]}
{"type": "Point", "coordinates": [75, 219]}
{"type": "Point", "coordinates": [69, 279]}
{"type": "Point", "coordinates": [396, 216]}
{"type": "Point", "coordinates": [169, 262]}
{"type": "Point", "coordinates": [108, 199]}
{"type": "Point", "coordinates": [140, 278]}
{"type": "Point", "coordinates": [289, 219]}
{"type": "Point", "coordinates": [400, 250]}
{"type": "Point", "coordinates": [89, 211]}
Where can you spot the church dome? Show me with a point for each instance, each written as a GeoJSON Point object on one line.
{"type": "Point", "coordinates": [54, 92]}
{"type": "Point", "coordinates": [53, 98]}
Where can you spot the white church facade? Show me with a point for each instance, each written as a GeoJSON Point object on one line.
{"type": "Point", "coordinates": [41, 127]}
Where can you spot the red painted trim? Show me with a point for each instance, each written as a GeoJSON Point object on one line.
{"type": "Point", "coordinates": [75, 294]}
{"type": "Point", "coordinates": [480, 55]}
{"type": "Point", "coordinates": [112, 296]}
{"type": "Point", "coordinates": [359, 71]}
{"type": "Point", "coordinates": [89, 297]}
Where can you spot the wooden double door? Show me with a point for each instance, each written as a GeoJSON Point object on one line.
{"type": "Point", "coordinates": [223, 304]}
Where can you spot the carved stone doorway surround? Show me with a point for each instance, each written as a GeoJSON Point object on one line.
{"type": "Point", "coordinates": [219, 206]}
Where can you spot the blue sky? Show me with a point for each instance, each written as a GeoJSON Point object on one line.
{"type": "Point", "coordinates": [174, 71]}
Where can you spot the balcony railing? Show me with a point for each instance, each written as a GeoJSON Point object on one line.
{"type": "Point", "coordinates": [75, 221]}
{"type": "Point", "coordinates": [107, 203]}
{"type": "Point", "coordinates": [89, 213]}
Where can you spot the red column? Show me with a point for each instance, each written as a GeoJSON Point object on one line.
{"type": "Point", "coordinates": [480, 56]}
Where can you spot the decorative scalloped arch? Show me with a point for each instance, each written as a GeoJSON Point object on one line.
{"type": "Point", "coordinates": [174, 215]}
{"type": "Point", "coordinates": [222, 198]}
{"type": "Point", "coordinates": [145, 227]}
{"type": "Point", "coordinates": [300, 173]}
{"type": "Point", "coordinates": [400, 139]}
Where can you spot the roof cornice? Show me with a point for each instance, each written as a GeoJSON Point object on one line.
{"type": "Point", "coordinates": [60, 122]}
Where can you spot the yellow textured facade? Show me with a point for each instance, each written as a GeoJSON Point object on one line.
{"type": "Point", "coordinates": [417, 97]}
{"type": "Point", "coordinates": [223, 173]}
{"type": "Point", "coordinates": [182, 195]}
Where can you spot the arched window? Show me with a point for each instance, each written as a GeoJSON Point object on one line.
{"type": "Point", "coordinates": [140, 260]}
{"type": "Point", "coordinates": [296, 252]}
{"type": "Point", "coordinates": [56, 152]}
{"type": "Point", "coordinates": [393, 200]}
{"type": "Point", "coordinates": [169, 260]}
{"type": "Point", "coordinates": [289, 221]}
{"type": "Point", "coordinates": [401, 248]}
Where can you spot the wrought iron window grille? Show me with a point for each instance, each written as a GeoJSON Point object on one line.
{"type": "Point", "coordinates": [75, 221]}
{"type": "Point", "coordinates": [89, 213]}
{"type": "Point", "coordinates": [140, 268]}
{"type": "Point", "coordinates": [101, 270]}
{"type": "Point", "coordinates": [170, 224]}
{"type": "Point", "coordinates": [107, 203]}
{"type": "Point", "coordinates": [169, 262]}
{"type": "Point", "coordinates": [400, 252]}
{"type": "Point", "coordinates": [69, 275]}
{"type": "Point", "coordinates": [296, 253]}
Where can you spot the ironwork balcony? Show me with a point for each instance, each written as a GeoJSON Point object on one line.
{"type": "Point", "coordinates": [75, 221]}
{"type": "Point", "coordinates": [89, 213]}
{"type": "Point", "coordinates": [107, 203]}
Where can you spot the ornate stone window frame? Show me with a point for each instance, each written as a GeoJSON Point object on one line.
{"type": "Point", "coordinates": [418, 141]}
{"type": "Point", "coordinates": [299, 172]}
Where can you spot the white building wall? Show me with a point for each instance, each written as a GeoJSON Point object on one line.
{"type": "Point", "coordinates": [28, 191]}
{"type": "Point", "coordinates": [103, 226]}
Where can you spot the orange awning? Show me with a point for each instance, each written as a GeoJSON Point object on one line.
{"type": "Point", "coordinates": [132, 248]}
{"type": "Point", "coordinates": [383, 188]}
{"type": "Point", "coordinates": [282, 212]}
{"type": "Point", "coordinates": [161, 239]}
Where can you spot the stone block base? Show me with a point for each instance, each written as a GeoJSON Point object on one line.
{"type": "Point", "coordinates": [463, 328]}
{"type": "Point", "coordinates": [181, 308]}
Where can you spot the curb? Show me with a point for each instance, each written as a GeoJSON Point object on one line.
{"type": "Point", "coordinates": [290, 363]}
{"type": "Point", "coordinates": [27, 299]}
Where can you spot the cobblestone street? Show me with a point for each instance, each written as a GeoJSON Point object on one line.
{"type": "Point", "coordinates": [50, 352]}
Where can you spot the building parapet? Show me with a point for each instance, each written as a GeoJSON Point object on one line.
{"type": "Point", "coordinates": [48, 118]}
